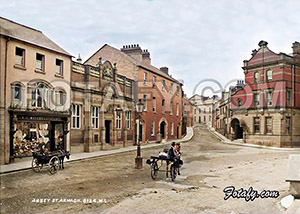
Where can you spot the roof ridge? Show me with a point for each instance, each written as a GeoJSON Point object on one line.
{"type": "Point", "coordinates": [20, 24]}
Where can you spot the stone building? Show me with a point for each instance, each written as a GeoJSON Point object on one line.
{"type": "Point", "coordinates": [203, 108]}
{"type": "Point", "coordinates": [103, 109]}
{"type": "Point", "coordinates": [266, 110]}
{"type": "Point", "coordinates": [160, 93]}
{"type": "Point", "coordinates": [35, 91]}
{"type": "Point", "coordinates": [222, 115]}
{"type": "Point", "coordinates": [187, 114]}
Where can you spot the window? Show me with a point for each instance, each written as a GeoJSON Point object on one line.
{"type": "Point", "coordinates": [177, 90]}
{"type": "Point", "coordinates": [195, 118]}
{"type": "Point", "coordinates": [40, 95]}
{"type": "Point", "coordinates": [204, 119]}
{"type": "Point", "coordinates": [59, 97]}
{"type": "Point", "coordinates": [96, 138]}
{"type": "Point", "coordinates": [152, 128]}
{"type": "Point", "coordinates": [20, 56]}
{"type": "Point", "coordinates": [95, 117]}
{"type": "Point", "coordinates": [239, 102]}
{"type": "Point", "coordinates": [118, 120]}
{"type": "Point", "coordinates": [172, 128]}
{"type": "Point", "coordinates": [177, 109]}
{"type": "Point", "coordinates": [163, 106]}
{"type": "Point", "coordinates": [154, 104]}
{"type": "Point", "coordinates": [75, 122]}
{"type": "Point", "coordinates": [200, 111]}
{"type": "Point", "coordinates": [256, 99]}
{"type": "Point", "coordinates": [171, 88]}
{"type": "Point", "coordinates": [269, 97]}
{"type": "Point", "coordinates": [17, 94]}
{"type": "Point", "coordinates": [256, 122]}
{"type": "Point", "coordinates": [171, 108]}
{"type": "Point", "coordinates": [154, 82]}
{"type": "Point", "coordinates": [210, 109]}
{"type": "Point", "coordinates": [288, 98]}
{"type": "Point", "coordinates": [163, 85]}
{"type": "Point", "coordinates": [288, 125]}
{"type": "Point", "coordinates": [256, 77]}
{"type": "Point", "coordinates": [269, 75]}
{"type": "Point", "coordinates": [209, 118]}
{"type": "Point", "coordinates": [39, 64]}
{"type": "Point", "coordinates": [128, 119]}
{"type": "Point", "coordinates": [59, 67]}
{"type": "Point", "coordinates": [184, 112]}
{"type": "Point", "coordinates": [145, 78]}
{"type": "Point", "coordinates": [145, 102]}
{"type": "Point", "coordinates": [268, 125]}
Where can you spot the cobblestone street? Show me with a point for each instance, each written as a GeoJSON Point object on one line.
{"type": "Point", "coordinates": [209, 167]}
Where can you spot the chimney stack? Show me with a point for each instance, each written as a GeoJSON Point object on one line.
{"type": "Point", "coordinates": [165, 70]}
{"type": "Point", "coordinates": [79, 59]}
{"type": "Point", "coordinates": [296, 51]}
{"type": "Point", "coordinates": [133, 50]}
{"type": "Point", "coordinates": [146, 57]}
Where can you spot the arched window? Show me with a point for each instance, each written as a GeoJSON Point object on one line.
{"type": "Point", "coordinates": [17, 92]}
{"type": "Point", "coordinates": [59, 97]}
{"type": "Point", "coordinates": [39, 93]}
{"type": "Point", "coordinates": [269, 75]}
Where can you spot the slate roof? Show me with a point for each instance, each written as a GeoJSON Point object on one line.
{"type": "Point", "coordinates": [29, 35]}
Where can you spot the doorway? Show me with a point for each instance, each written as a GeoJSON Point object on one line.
{"type": "Point", "coordinates": [177, 132]}
{"type": "Point", "coordinates": [238, 130]}
{"type": "Point", "coordinates": [107, 131]}
{"type": "Point", "coordinates": [163, 129]}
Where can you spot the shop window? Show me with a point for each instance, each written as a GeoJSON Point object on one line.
{"type": "Point", "coordinates": [269, 75]}
{"type": "Point", "coordinates": [40, 60]}
{"type": "Point", "coordinates": [152, 128]}
{"type": "Point", "coordinates": [118, 120]}
{"type": "Point", "coordinates": [128, 119]}
{"type": "Point", "coordinates": [20, 56]}
{"type": "Point", "coordinates": [256, 122]}
{"type": "Point", "coordinates": [59, 67]}
{"type": "Point", "coordinates": [40, 95]}
{"type": "Point", "coordinates": [95, 117]}
{"type": "Point", "coordinates": [76, 116]}
{"type": "Point", "coordinates": [268, 125]}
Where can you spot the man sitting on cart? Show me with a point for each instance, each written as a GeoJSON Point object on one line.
{"type": "Point", "coordinates": [174, 155]}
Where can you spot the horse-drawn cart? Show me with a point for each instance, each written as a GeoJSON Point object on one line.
{"type": "Point", "coordinates": [50, 159]}
{"type": "Point", "coordinates": [156, 162]}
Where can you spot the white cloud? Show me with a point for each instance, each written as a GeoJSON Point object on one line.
{"type": "Point", "coordinates": [195, 39]}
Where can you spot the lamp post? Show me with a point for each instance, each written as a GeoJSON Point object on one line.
{"type": "Point", "coordinates": [139, 159]}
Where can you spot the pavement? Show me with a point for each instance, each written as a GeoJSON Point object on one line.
{"type": "Point", "coordinates": [223, 139]}
{"type": "Point", "coordinates": [23, 165]}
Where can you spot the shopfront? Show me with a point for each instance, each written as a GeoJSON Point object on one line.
{"type": "Point", "coordinates": [34, 130]}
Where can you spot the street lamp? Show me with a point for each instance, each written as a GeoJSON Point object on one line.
{"type": "Point", "coordinates": [139, 159]}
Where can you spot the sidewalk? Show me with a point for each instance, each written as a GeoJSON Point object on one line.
{"type": "Point", "coordinates": [81, 156]}
{"type": "Point", "coordinates": [223, 139]}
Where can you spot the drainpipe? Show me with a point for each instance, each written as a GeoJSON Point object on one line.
{"type": "Point", "coordinates": [5, 118]}
{"type": "Point", "coordinates": [293, 103]}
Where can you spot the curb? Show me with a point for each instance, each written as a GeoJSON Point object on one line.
{"type": "Point", "coordinates": [224, 140]}
{"type": "Point", "coordinates": [110, 152]}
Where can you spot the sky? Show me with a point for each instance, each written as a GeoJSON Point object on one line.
{"type": "Point", "coordinates": [201, 42]}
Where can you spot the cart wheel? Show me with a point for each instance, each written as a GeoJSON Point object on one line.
{"type": "Point", "coordinates": [154, 170]}
{"type": "Point", "coordinates": [173, 172]}
{"type": "Point", "coordinates": [35, 165]}
{"type": "Point", "coordinates": [53, 164]}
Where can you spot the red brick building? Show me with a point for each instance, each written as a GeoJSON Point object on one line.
{"type": "Point", "coordinates": [159, 91]}
{"type": "Point", "coordinates": [187, 115]}
{"type": "Point", "coordinates": [266, 110]}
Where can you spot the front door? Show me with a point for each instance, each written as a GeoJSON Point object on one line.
{"type": "Point", "coordinates": [57, 136]}
{"type": "Point", "coordinates": [141, 132]}
{"type": "Point", "coordinates": [162, 130]}
{"type": "Point", "coordinates": [107, 131]}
